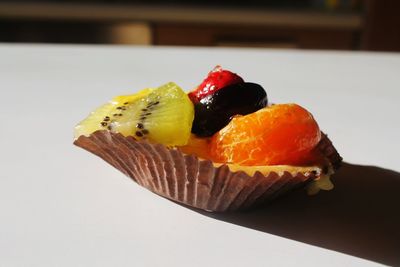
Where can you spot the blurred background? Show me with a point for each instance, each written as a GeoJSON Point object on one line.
{"type": "Point", "coordinates": [304, 24]}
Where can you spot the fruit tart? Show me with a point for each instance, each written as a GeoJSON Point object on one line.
{"type": "Point", "coordinates": [220, 147]}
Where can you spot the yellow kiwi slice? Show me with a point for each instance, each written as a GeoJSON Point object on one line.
{"type": "Point", "coordinates": [162, 115]}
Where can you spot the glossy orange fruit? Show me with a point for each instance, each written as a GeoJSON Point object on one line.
{"type": "Point", "coordinates": [282, 134]}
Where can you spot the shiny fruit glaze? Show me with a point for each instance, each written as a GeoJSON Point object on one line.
{"type": "Point", "coordinates": [217, 78]}
{"type": "Point", "coordinates": [282, 134]}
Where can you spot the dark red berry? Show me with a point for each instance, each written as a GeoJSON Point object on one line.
{"type": "Point", "coordinates": [214, 111]}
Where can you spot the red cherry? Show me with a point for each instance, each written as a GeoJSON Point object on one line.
{"type": "Point", "coordinates": [217, 78]}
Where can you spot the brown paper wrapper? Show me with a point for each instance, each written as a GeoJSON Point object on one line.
{"type": "Point", "coordinates": [190, 180]}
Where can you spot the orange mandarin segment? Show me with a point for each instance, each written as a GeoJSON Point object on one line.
{"type": "Point", "coordinates": [275, 135]}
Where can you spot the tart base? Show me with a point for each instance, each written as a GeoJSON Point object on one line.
{"type": "Point", "coordinates": [191, 180]}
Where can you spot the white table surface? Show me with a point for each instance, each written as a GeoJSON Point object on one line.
{"type": "Point", "coordinates": [62, 206]}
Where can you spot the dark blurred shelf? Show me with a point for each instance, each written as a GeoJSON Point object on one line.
{"type": "Point", "coordinates": [318, 5]}
{"type": "Point", "coordinates": [374, 25]}
{"type": "Point", "coordinates": [308, 24]}
{"type": "Point", "coordinates": [179, 14]}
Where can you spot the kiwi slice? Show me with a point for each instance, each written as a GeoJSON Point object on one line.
{"type": "Point", "coordinates": [162, 115]}
{"type": "Point", "coordinates": [100, 118]}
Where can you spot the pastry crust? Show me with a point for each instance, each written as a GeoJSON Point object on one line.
{"type": "Point", "coordinates": [198, 182]}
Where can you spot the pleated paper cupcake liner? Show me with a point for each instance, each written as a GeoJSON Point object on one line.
{"type": "Point", "coordinates": [190, 180]}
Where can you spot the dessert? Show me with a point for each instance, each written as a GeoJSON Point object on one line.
{"type": "Point", "coordinates": [220, 147]}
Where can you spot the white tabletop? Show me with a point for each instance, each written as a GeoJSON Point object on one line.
{"type": "Point", "coordinates": [62, 206]}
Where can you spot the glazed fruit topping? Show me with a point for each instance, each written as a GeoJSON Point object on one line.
{"type": "Point", "coordinates": [234, 117]}
{"type": "Point", "coordinates": [279, 134]}
{"type": "Point", "coordinates": [217, 79]}
{"type": "Point", "coordinates": [215, 110]}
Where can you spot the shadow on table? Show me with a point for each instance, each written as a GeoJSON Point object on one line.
{"type": "Point", "coordinates": [360, 217]}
